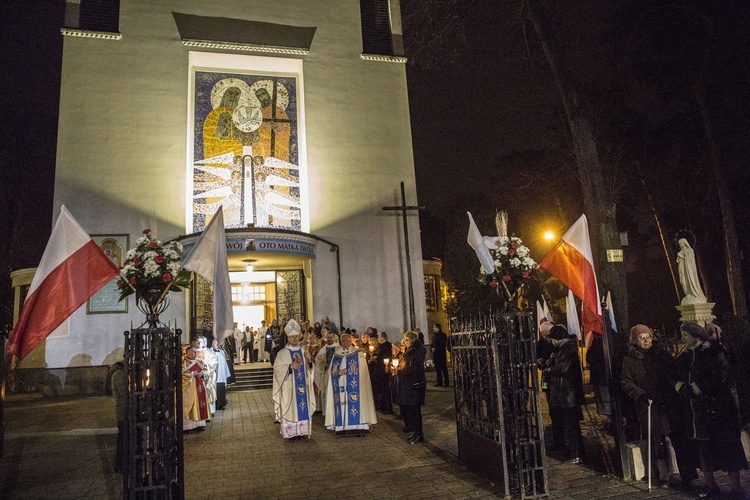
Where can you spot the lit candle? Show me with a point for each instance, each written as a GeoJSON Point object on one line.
{"type": "Point", "coordinates": [372, 348]}
{"type": "Point", "coordinates": [394, 362]}
{"type": "Point", "coordinates": [386, 361]}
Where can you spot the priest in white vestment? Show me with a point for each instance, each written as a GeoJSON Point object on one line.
{"type": "Point", "coordinates": [293, 399]}
{"type": "Point", "coordinates": [323, 364]}
{"type": "Point", "coordinates": [350, 407]}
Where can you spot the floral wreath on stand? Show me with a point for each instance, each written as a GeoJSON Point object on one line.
{"type": "Point", "coordinates": [150, 266]}
{"type": "Point", "coordinates": [513, 265]}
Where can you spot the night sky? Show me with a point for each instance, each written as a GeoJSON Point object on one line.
{"type": "Point", "coordinates": [490, 133]}
{"type": "Point", "coordinates": [488, 128]}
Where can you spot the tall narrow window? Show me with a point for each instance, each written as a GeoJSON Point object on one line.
{"type": "Point", "coordinates": [376, 27]}
{"type": "Point", "coordinates": [100, 15]}
{"type": "Point", "coordinates": [431, 292]}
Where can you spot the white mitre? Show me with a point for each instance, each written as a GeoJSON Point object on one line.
{"type": "Point", "coordinates": [292, 328]}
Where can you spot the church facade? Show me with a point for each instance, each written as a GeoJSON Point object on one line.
{"type": "Point", "coordinates": [291, 115]}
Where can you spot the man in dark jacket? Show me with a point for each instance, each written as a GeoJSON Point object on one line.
{"type": "Point", "coordinates": [566, 388]}
{"type": "Point", "coordinates": [440, 354]}
{"type": "Point", "coordinates": [381, 379]}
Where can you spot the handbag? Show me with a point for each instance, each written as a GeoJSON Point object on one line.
{"type": "Point", "coordinates": [418, 385]}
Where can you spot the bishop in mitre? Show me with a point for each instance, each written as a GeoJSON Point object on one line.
{"type": "Point", "coordinates": [350, 408]}
{"type": "Point", "coordinates": [293, 399]}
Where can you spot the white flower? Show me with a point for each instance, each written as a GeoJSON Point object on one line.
{"type": "Point", "coordinates": [503, 250]}
{"type": "Point", "coordinates": [522, 251]}
{"type": "Point", "coordinates": [528, 261]}
{"type": "Point", "coordinates": [151, 268]}
{"type": "Point", "coordinates": [130, 254]}
{"type": "Point", "coordinates": [515, 262]}
{"type": "Point", "coordinates": [503, 240]}
{"type": "Point", "coordinates": [149, 255]}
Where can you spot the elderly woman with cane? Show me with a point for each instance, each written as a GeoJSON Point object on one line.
{"type": "Point", "coordinates": [645, 378]}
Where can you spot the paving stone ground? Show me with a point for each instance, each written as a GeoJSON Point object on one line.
{"type": "Point", "coordinates": [64, 448]}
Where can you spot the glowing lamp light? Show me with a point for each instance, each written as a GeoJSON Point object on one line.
{"type": "Point", "coordinates": [549, 235]}
{"type": "Point", "coordinates": [394, 363]}
{"type": "Point", "coordinates": [386, 361]}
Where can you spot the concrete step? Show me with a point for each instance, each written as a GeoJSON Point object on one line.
{"type": "Point", "coordinates": [248, 380]}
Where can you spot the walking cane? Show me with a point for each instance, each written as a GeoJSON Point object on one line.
{"type": "Point", "coordinates": [649, 445]}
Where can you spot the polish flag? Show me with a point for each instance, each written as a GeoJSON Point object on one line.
{"type": "Point", "coordinates": [72, 269]}
{"type": "Point", "coordinates": [571, 261]}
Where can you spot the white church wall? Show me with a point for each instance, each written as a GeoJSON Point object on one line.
{"type": "Point", "coordinates": [122, 143]}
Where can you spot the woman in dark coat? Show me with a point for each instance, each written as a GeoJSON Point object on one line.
{"type": "Point", "coordinates": [565, 382]}
{"type": "Point", "coordinates": [710, 417]}
{"type": "Point", "coordinates": [646, 372]}
{"type": "Point", "coordinates": [412, 385]}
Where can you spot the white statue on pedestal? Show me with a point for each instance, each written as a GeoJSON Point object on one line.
{"type": "Point", "coordinates": [688, 271]}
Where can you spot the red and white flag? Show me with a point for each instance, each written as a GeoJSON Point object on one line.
{"type": "Point", "coordinates": [571, 261]}
{"type": "Point", "coordinates": [72, 269]}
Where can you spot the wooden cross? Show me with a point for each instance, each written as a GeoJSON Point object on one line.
{"type": "Point", "coordinates": [404, 208]}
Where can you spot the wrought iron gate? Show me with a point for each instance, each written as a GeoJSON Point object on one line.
{"type": "Point", "coordinates": [498, 415]}
{"type": "Point", "coordinates": [153, 443]}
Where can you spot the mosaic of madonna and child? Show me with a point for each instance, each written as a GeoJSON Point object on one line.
{"type": "Point", "coordinates": [246, 150]}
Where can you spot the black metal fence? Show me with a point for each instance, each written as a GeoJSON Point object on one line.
{"type": "Point", "coordinates": [153, 441]}
{"type": "Point", "coordinates": [498, 415]}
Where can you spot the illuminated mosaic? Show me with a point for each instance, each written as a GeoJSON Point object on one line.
{"type": "Point", "coordinates": [246, 150]}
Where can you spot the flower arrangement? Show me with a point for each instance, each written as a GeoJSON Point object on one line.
{"type": "Point", "coordinates": [151, 263]}
{"type": "Point", "coordinates": [512, 261]}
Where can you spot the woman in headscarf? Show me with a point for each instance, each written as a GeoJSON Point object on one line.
{"type": "Point", "coordinates": [709, 415]}
{"type": "Point", "coordinates": [646, 371]}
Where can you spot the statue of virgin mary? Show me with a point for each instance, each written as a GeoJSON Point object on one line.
{"type": "Point", "coordinates": [688, 271]}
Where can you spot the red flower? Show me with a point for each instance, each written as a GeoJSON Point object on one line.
{"type": "Point", "coordinates": [493, 284]}
{"type": "Point", "coordinates": [166, 277]}
{"type": "Point", "coordinates": [146, 231]}
{"type": "Point", "coordinates": [159, 259]}
{"type": "Point", "coordinates": [525, 275]}
{"type": "Point", "coordinates": [513, 245]}
{"type": "Point", "coordinates": [133, 281]}
{"type": "Point", "coordinates": [125, 263]}
{"type": "Point", "coordinates": [511, 251]}
{"type": "Point", "coordinates": [153, 244]}
{"type": "Point", "coordinates": [137, 261]}
{"type": "Point", "coordinates": [506, 277]}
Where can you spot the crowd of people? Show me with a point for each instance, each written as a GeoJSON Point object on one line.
{"type": "Point", "coordinates": [347, 377]}
{"type": "Point", "coordinates": [689, 397]}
